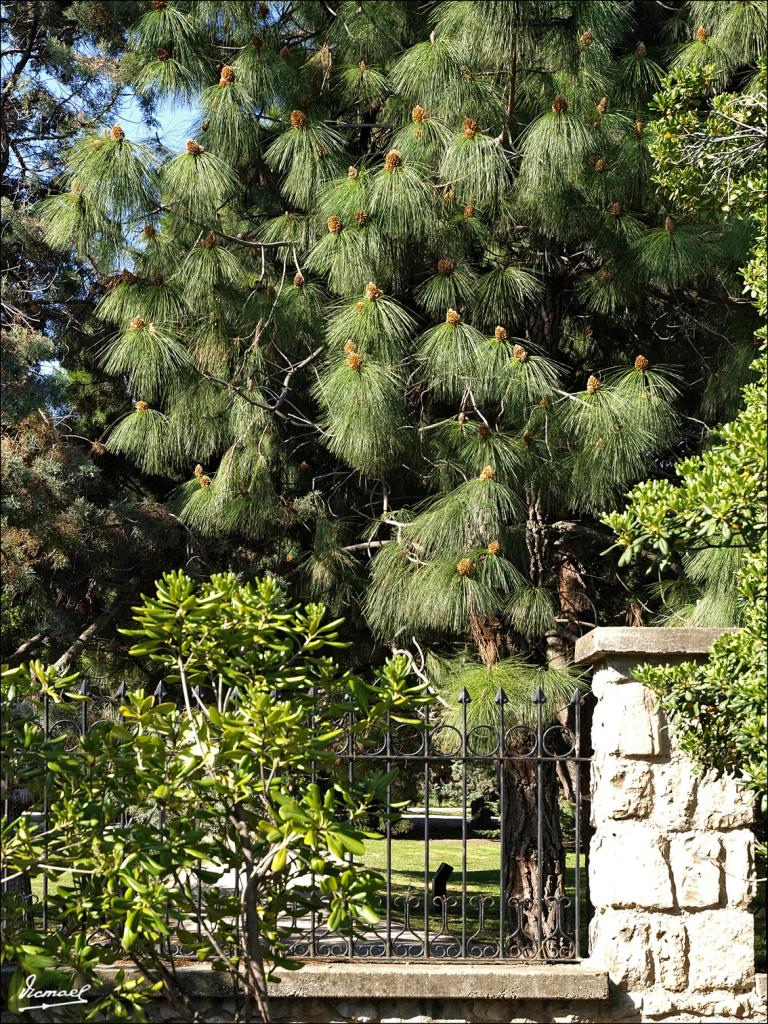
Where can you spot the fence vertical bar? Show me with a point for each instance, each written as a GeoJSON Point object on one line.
{"type": "Point", "coordinates": [7, 817]}
{"type": "Point", "coordinates": [576, 703]}
{"type": "Point", "coordinates": [426, 833]}
{"type": "Point", "coordinates": [197, 695]}
{"type": "Point", "coordinates": [312, 694]}
{"type": "Point", "coordinates": [464, 699]}
{"type": "Point", "coordinates": [539, 701]}
{"type": "Point", "coordinates": [46, 734]}
{"type": "Point", "coordinates": [160, 693]}
{"type": "Point", "coordinates": [350, 778]}
{"type": "Point", "coordinates": [119, 694]}
{"type": "Point", "coordinates": [388, 834]}
{"type": "Point", "coordinates": [85, 689]}
{"type": "Point", "coordinates": [501, 700]}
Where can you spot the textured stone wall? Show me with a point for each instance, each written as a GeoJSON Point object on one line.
{"type": "Point", "coordinates": [670, 862]}
{"type": "Point", "coordinates": [619, 1009]}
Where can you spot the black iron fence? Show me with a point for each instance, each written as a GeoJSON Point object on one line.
{"type": "Point", "coordinates": [501, 875]}
{"type": "Point", "coordinates": [482, 838]}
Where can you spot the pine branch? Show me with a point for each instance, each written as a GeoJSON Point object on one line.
{"type": "Point", "coordinates": [237, 390]}
{"type": "Point", "coordinates": [367, 545]}
{"type": "Point", "coordinates": [26, 53]}
{"type": "Point", "coordinates": [90, 631]}
{"type": "Point", "coordinates": [289, 375]}
{"type": "Point", "coordinates": [29, 645]}
{"type": "Point", "coordinates": [254, 244]}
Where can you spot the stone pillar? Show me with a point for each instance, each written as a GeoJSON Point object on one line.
{"type": "Point", "coordinates": [671, 861]}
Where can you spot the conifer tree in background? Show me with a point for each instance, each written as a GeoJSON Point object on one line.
{"type": "Point", "coordinates": [81, 531]}
{"type": "Point", "coordinates": [406, 314]}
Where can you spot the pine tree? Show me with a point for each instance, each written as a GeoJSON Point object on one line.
{"type": "Point", "coordinates": [81, 531]}
{"type": "Point", "coordinates": [409, 295]}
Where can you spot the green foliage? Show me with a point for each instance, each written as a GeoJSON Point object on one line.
{"type": "Point", "coordinates": [197, 182]}
{"type": "Point", "coordinates": [715, 516]}
{"type": "Point", "coordinates": [503, 295]}
{"type": "Point", "coordinates": [515, 679]}
{"type": "Point", "coordinates": [450, 353]}
{"type": "Point", "coordinates": [377, 326]}
{"type": "Point", "coordinates": [79, 527]}
{"type": "Point", "coordinates": [401, 198]}
{"type": "Point", "coordinates": [531, 609]}
{"type": "Point", "coordinates": [307, 156]}
{"type": "Point", "coordinates": [670, 255]}
{"type": "Point", "coordinates": [477, 167]}
{"type": "Point", "coordinates": [216, 779]}
{"type": "Point", "coordinates": [555, 148]}
{"type": "Point", "coordinates": [150, 357]}
{"type": "Point", "coordinates": [141, 435]}
{"type": "Point", "coordinates": [366, 419]}
{"type": "Point", "coordinates": [112, 173]}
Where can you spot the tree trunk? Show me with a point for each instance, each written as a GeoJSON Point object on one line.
{"type": "Point", "coordinates": [577, 610]}
{"type": "Point", "coordinates": [253, 973]}
{"type": "Point", "coordinates": [488, 636]}
{"type": "Point", "coordinates": [544, 321]}
{"type": "Point", "coordinates": [111, 610]}
{"type": "Point", "coordinates": [528, 928]}
{"type": "Point", "coordinates": [532, 923]}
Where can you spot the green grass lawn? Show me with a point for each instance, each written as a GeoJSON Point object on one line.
{"type": "Point", "coordinates": [482, 873]}
{"type": "Point", "coordinates": [408, 862]}
{"type": "Point", "coordinates": [482, 863]}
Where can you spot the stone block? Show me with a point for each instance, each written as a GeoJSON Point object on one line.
{"type": "Point", "coordinates": [675, 785]}
{"type": "Point", "coordinates": [696, 869]}
{"type": "Point", "coordinates": [620, 944]}
{"type": "Point", "coordinates": [723, 803]}
{"type": "Point", "coordinates": [721, 950]}
{"type": "Point", "coordinates": [606, 644]}
{"type": "Point", "coordinates": [606, 676]}
{"type": "Point", "coordinates": [628, 867]}
{"type": "Point", "coordinates": [670, 943]}
{"type": "Point", "coordinates": [659, 1005]}
{"type": "Point", "coordinates": [621, 789]}
{"type": "Point", "coordinates": [626, 722]}
{"type": "Point", "coordinates": [360, 1011]}
{"type": "Point", "coordinates": [738, 867]}
{"type": "Point", "coordinates": [723, 1006]}
{"type": "Point", "coordinates": [761, 987]}
{"type": "Point", "coordinates": [404, 1018]}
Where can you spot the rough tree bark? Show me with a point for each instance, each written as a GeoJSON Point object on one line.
{"type": "Point", "coordinates": [489, 638]}
{"type": "Point", "coordinates": [531, 920]}
{"type": "Point", "coordinates": [523, 861]}
{"type": "Point", "coordinates": [544, 321]}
